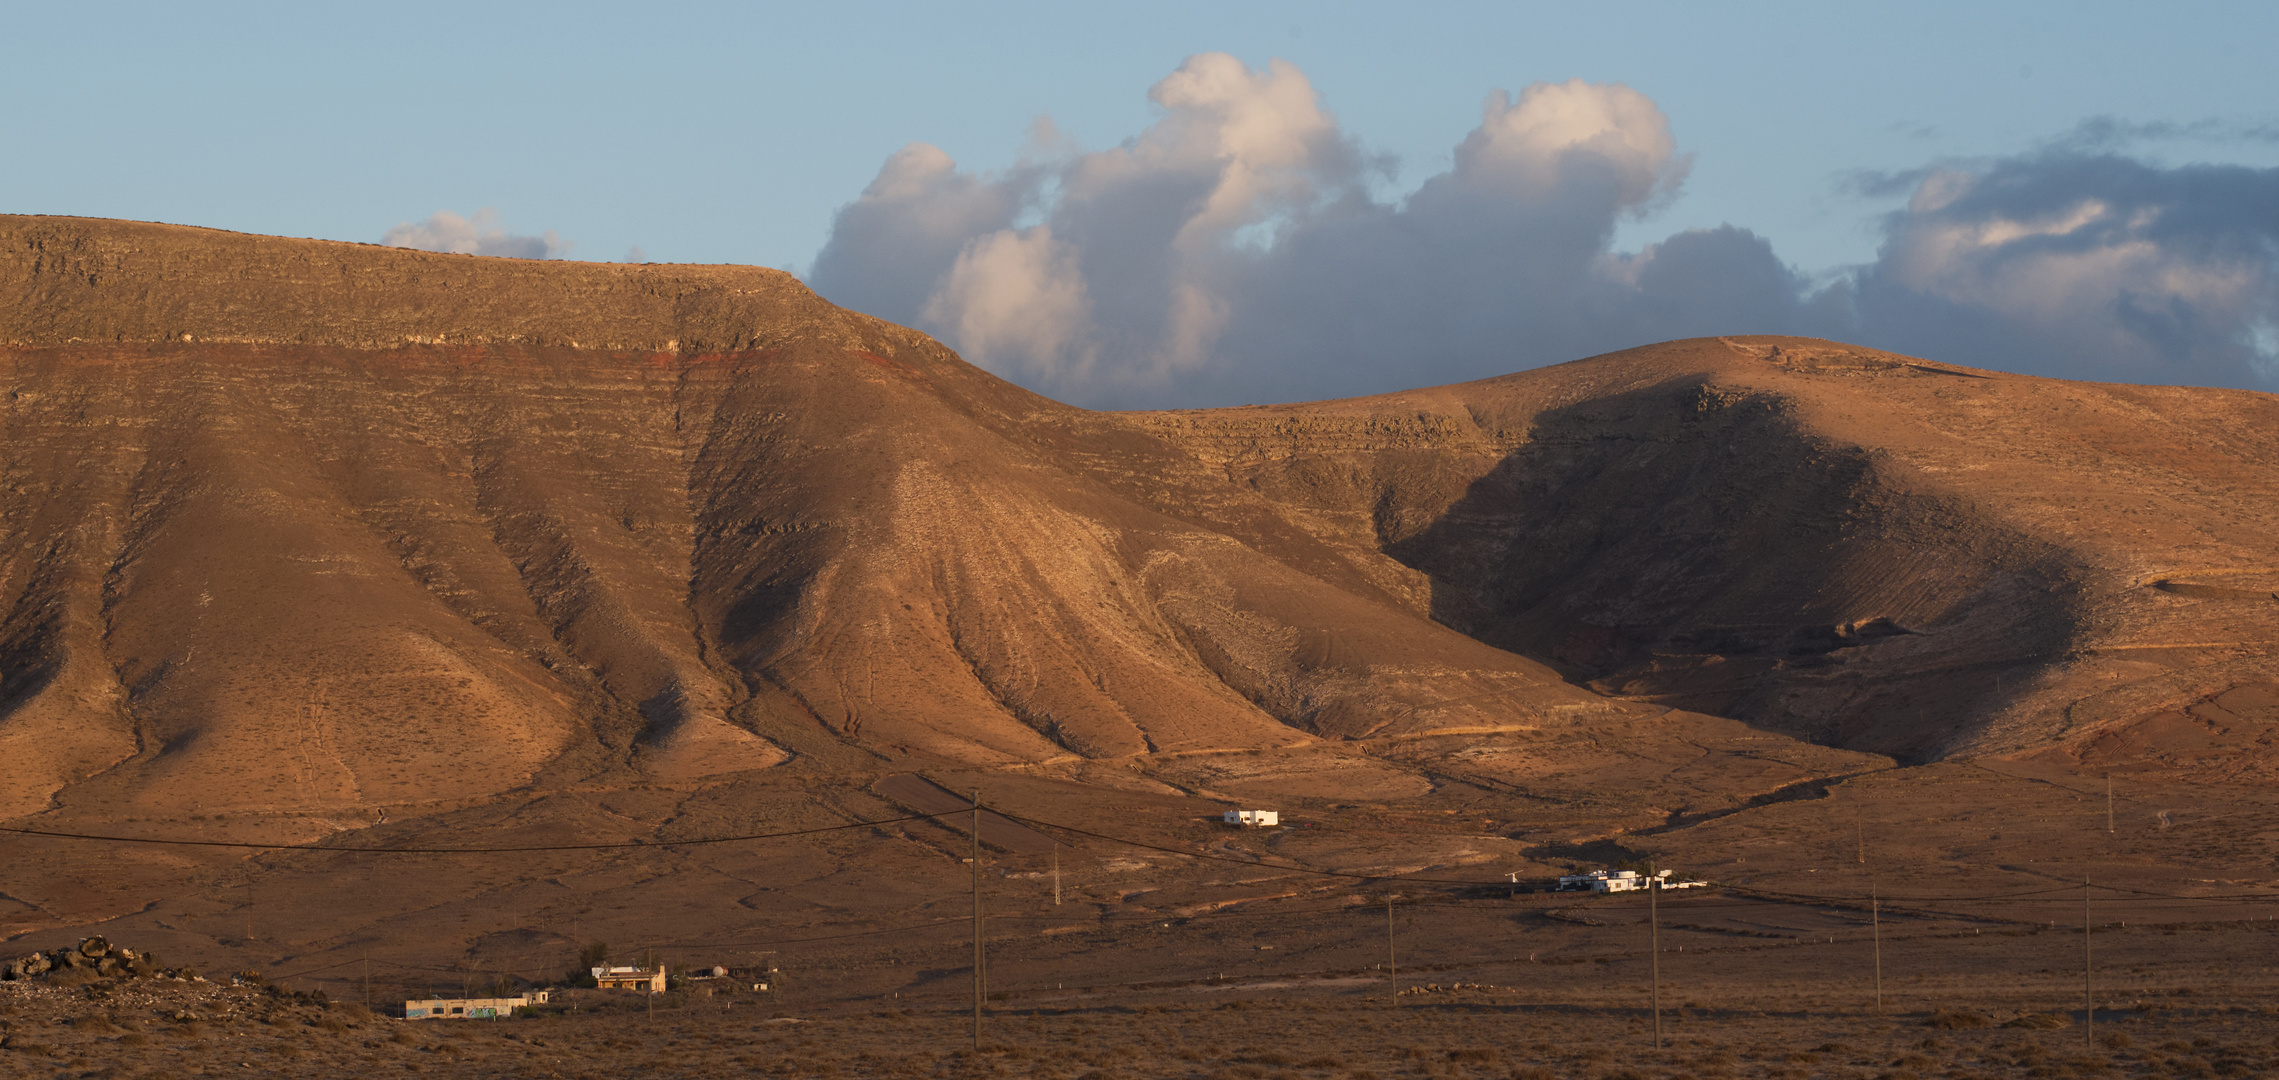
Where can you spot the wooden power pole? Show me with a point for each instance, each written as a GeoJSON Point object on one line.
{"type": "Point", "coordinates": [1875, 934]}
{"type": "Point", "coordinates": [2088, 996]}
{"type": "Point", "coordinates": [977, 921]}
{"type": "Point", "coordinates": [1654, 949]}
{"type": "Point", "coordinates": [1392, 963]}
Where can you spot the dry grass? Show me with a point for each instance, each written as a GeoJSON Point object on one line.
{"type": "Point", "coordinates": [1957, 1020]}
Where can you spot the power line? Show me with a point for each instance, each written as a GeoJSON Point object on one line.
{"type": "Point", "coordinates": [2024, 896]}
{"type": "Point", "coordinates": [1231, 859]}
{"type": "Point", "coordinates": [793, 941]}
{"type": "Point", "coordinates": [1248, 912]}
{"type": "Point", "coordinates": [1354, 909]}
{"type": "Point", "coordinates": [2228, 897]}
{"type": "Point", "coordinates": [402, 850]}
{"type": "Point", "coordinates": [2030, 896]}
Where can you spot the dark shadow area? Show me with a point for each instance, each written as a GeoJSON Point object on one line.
{"type": "Point", "coordinates": [1692, 547]}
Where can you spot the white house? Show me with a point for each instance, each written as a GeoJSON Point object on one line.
{"type": "Point", "coordinates": [1257, 819]}
{"type": "Point", "coordinates": [631, 978]}
{"type": "Point", "coordinates": [1622, 881]}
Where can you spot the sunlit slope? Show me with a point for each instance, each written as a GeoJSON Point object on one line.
{"type": "Point", "coordinates": [1858, 548]}
{"type": "Point", "coordinates": [292, 524]}
{"type": "Point", "coordinates": [304, 527]}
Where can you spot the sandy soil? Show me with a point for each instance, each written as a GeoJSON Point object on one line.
{"type": "Point", "coordinates": [1579, 1019]}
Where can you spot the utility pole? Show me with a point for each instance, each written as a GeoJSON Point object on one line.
{"type": "Point", "coordinates": [2088, 996]}
{"type": "Point", "coordinates": [1654, 948]}
{"type": "Point", "coordinates": [1056, 875]}
{"type": "Point", "coordinates": [2109, 802]}
{"type": "Point", "coordinates": [1860, 833]}
{"type": "Point", "coordinates": [977, 921]}
{"type": "Point", "coordinates": [1392, 963]}
{"type": "Point", "coordinates": [1875, 933]}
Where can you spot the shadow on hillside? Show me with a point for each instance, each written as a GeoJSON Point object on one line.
{"type": "Point", "coordinates": [1692, 547]}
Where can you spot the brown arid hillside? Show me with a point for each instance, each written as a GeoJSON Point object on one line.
{"type": "Point", "coordinates": [309, 542]}
{"type": "Point", "coordinates": [1854, 548]}
{"type": "Point", "coordinates": [305, 527]}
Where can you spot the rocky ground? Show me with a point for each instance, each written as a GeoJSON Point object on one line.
{"type": "Point", "coordinates": [1342, 1031]}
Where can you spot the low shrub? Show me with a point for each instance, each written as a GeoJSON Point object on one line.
{"type": "Point", "coordinates": [2039, 1021]}
{"type": "Point", "coordinates": [1957, 1020]}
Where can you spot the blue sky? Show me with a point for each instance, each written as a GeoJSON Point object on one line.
{"type": "Point", "coordinates": [735, 132]}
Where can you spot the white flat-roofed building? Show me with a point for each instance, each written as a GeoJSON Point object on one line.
{"type": "Point", "coordinates": [471, 1008]}
{"type": "Point", "coordinates": [1622, 881]}
{"type": "Point", "coordinates": [1257, 819]}
{"type": "Point", "coordinates": [1602, 881]}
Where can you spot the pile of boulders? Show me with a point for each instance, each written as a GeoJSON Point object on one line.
{"type": "Point", "coordinates": [95, 956]}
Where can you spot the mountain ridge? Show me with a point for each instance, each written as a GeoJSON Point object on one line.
{"type": "Point", "coordinates": [306, 525]}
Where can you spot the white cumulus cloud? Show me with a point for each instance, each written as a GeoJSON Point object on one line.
{"type": "Point", "coordinates": [478, 235]}
{"type": "Point", "coordinates": [1018, 294]}
{"type": "Point", "coordinates": [1526, 145]}
{"type": "Point", "coordinates": [2084, 265]}
{"type": "Point", "coordinates": [1233, 251]}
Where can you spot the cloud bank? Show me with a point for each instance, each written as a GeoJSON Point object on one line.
{"type": "Point", "coordinates": [2084, 265]}
{"type": "Point", "coordinates": [479, 235]}
{"type": "Point", "coordinates": [1233, 251]}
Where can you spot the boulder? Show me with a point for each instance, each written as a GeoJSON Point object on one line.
{"type": "Point", "coordinates": [95, 954]}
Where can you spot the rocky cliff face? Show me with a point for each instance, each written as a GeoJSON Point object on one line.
{"type": "Point", "coordinates": [94, 281]}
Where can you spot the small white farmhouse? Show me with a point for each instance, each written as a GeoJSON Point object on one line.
{"type": "Point", "coordinates": [1621, 881]}
{"type": "Point", "coordinates": [1257, 819]}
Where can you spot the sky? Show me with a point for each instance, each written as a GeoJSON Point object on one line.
{"type": "Point", "coordinates": [1181, 204]}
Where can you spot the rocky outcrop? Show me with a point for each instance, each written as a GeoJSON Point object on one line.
{"type": "Point", "coordinates": [95, 957]}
